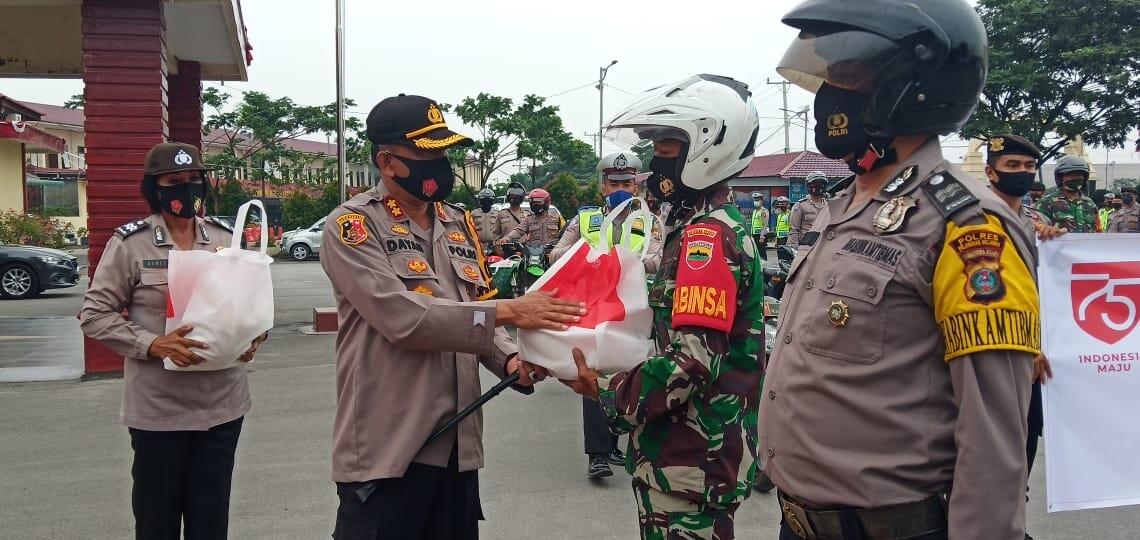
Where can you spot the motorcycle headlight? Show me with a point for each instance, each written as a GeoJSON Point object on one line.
{"type": "Point", "coordinates": [49, 259]}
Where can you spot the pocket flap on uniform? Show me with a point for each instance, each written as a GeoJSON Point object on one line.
{"type": "Point", "coordinates": [412, 267]}
{"type": "Point", "coordinates": [153, 277]}
{"type": "Point", "coordinates": [468, 271]}
{"type": "Point", "coordinates": [859, 282]}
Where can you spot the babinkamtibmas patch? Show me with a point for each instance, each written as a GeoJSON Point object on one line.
{"type": "Point", "coordinates": [352, 229]}
{"type": "Point", "coordinates": [705, 293]}
{"type": "Point", "coordinates": [985, 298]}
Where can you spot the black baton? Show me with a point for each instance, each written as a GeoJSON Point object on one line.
{"type": "Point", "coordinates": [474, 406]}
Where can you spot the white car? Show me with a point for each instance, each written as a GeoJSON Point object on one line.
{"type": "Point", "coordinates": [301, 244]}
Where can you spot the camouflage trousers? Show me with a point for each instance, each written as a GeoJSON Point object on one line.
{"type": "Point", "coordinates": [665, 517]}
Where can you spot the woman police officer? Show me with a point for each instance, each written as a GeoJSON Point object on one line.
{"type": "Point", "coordinates": [184, 426]}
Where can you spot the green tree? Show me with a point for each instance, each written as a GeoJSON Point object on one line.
{"type": "Point", "coordinates": [1060, 67]}
{"type": "Point", "coordinates": [254, 131]}
{"type": "Point", "coordinates": [505, 133]}
{"type": "Point", "coordinates": [228, 196]}
{"type": "Point", "coordinates": [564, 194]}
{"type": "Point", "coordinates": [1124, 182]}
{"type": "Point", "coordinates": [591, 194]}
{"type": "Point", "coordinates": [78, 101]}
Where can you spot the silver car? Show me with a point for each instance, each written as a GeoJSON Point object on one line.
{"type": "Point", "coordinates": [300, 244]}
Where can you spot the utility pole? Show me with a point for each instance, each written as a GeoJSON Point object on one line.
{"type": "Point", "coordinates": [787, 119]}
{"type": "Point", "coordinates": [341, 159]}
{"type": "Point", "coordinates": [602, 71]}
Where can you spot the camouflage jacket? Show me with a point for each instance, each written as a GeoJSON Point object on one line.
{"type": "Point", "coordinates": [1077, 217]}
{"type": "Point", "coordinates": [692, 410]}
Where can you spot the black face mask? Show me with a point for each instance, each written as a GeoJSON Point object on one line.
{"type": "Point", "coordinates": [486, 204]}
{"type": "Point", "coordinates": [428, 179]}
{"type": "Point", "coordinates": [538, 208]}
{"type": "Point", "coordinates": [665, 183]}
{"type": "Point", "coordinates": [816, 190]}
{"type": "Point", "coordinates": [1014, 184]}
{"type": "Point", "coordinates": [183, 200]}
{"type": "Point", "coordinates": [840, 132]}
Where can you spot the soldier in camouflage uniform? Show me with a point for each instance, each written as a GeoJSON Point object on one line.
{"type": "Point", "coordinates": [691, 411]}
{"type": "Point", "coordinates": [1068, 207]}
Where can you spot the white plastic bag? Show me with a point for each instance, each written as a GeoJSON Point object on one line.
{"type": "Point", "coordinates": [614, 334]}
{"type": "Point", "coordinates": [227, 296]}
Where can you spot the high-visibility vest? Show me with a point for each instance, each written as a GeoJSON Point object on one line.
{"type": "Point", "coordinates": [759, 221]}
{"type": "Point", "coordinates": [1102, 216]}
{"type": "Point", "coordinates": [590, 225]}
{"type": "Point", "coordinates": [783, 225]}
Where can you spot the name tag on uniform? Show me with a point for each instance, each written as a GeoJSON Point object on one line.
{"type": "Point", "coordinates": [155, 263]}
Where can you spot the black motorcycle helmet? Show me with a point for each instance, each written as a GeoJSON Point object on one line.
{"type": "Point", "coordinates": [922, 62]}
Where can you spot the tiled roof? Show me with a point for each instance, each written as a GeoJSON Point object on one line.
{"type": "Point", "coordinates": [794, 165]}
{"type": "Point", "coordinates": [58, 115]}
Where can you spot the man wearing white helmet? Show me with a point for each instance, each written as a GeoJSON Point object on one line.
{"type": "Point", "coordinates": [691, 409]}
{"type": "Point", "coordinates": [619, 173]}
{"type": "Point", "coordinates": [760, 218]}
{"type": "Point", "coordinates": [805, 211]}
{"type": "Point", "coordinates": [782, 205]}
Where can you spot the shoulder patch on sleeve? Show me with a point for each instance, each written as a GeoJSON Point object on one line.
{"type": "Point", "coordinates": [985, 297]}
{"type": "Point", "coordinates": [947, 193]}
{"type": "Point", "coordinates": [351, 229]}
{"type": "Point", "coordinates": [221, 223]}
{"type": "Point", "coordinates": [705, 294]}
{"type": "Point", "coordinates": [132, 228]}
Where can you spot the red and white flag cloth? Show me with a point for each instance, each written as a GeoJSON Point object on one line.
{"type": "Point", "coordinates": [1090, 310]}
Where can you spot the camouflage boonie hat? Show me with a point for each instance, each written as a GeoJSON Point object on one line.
{"type": "Point", "coordinates": [173, 157]}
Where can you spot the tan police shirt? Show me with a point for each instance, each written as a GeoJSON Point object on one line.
{"type": "Point", "coordinates": [804, 214]}
{"type": "Point", "coordinates": [506, 220]}
{"type": "Point", "coordinates": [132, 275]}
{"type": "Point", "coordinates": [1125, 220]}
{"type": "Point", "coordinates": [542, 229]}
{"type": "Point", "coordinates": [903, 360]}
{"type": "Point", "coordinates": [485, 224]}
{"type": "Point", "coordinates": [411, 337]}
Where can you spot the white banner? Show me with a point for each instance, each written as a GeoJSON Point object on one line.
{"type": "Point", "coordinates": [1090, 308]}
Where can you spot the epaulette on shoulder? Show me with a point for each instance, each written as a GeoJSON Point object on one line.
{"type": "Point", "coordinates": [948, 194]}
{"type": "Point", "coordinates": [221, 223]}
{"type": "Point", "coordinates": [131, 228]}
{"type": "Point", "coordinates": [454, 206]}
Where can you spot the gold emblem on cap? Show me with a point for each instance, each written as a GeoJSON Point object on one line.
{"type": "Point", "coordinates": [837, 124]}
{"type": "Point", "coordinates": [891, 215]}
{"type": "Point", "coordinates": [434, 114]}
{"type": "Point", "coordinates": [838, 313]}
{"type": "Point", "coordinates": [997, 144]}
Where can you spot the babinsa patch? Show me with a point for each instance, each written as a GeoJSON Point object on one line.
{"type": "Point", "coordinates": [699, 246]}
{"type": "Point", "coordinates": [705, 293]}
{"type": "Point", "coordinates": [352, 229]}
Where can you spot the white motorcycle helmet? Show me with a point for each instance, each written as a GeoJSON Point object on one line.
{"type": "Point", "coordinates": [711, 113]}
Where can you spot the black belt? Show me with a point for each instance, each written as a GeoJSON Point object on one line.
{"type": "Point", "coordinates": [908, 520]}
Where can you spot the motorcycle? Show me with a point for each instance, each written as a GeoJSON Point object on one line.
{"type": "Point", "coordinates": [776, 275]}
{"type": "Point", "coordinates": [523, 266]}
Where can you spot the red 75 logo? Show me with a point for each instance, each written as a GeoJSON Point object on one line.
{"type": "Point", "coordinates": [1105, 298]}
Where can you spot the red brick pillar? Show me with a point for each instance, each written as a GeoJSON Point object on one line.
{"type": "Point", "coordinates": [124, 76]}
{"type": "Point", "coordinates": [184, 104]}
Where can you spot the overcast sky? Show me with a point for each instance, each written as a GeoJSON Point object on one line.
{"type": "Point", "coordinates": [450, 49]}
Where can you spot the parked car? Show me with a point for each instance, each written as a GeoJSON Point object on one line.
{"type": "Point", "coordinates": [26, 271]}
{"type": "Point", "coordinates": [300, 244]}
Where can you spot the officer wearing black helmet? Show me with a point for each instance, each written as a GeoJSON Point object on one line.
{"type": "Point", "coordinates": [892, 409]}
{"type": "Point", "coordinates": [509, 218]}
{"type": "Point", "coordinates": [1069, 207]}
{"type": "Point", "coordinates": [484, 218]}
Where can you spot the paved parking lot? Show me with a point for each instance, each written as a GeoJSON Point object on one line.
{"type": "Point", "coordinates": [65, 460]}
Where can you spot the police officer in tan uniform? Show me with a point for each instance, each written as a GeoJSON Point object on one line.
{"type": "Point", "coordinates": [1126, 219]}
{"type": "Point", "coordinates": [896, 396]}
{"type": "Point", "coordinates": [804, 212]}
{"type": "Point", "coordinates": [542, 226]}
{"type": "Point", "coordinates": [184, 426]}
{"type": "Point", "coordinates": [508, 218]}
{"type": "Point", "coordinates": [483, 217]}
{"type": "Point", "coordinates": [412, 295]}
